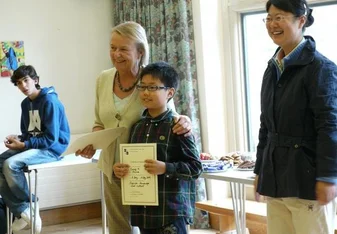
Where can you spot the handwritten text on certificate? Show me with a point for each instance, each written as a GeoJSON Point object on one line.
{"type": "Point", "coordinates": [139, 187]}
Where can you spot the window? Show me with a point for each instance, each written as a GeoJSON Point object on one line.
{"type": "Point", "coordinates": [233, 49]}
{"type": "Point", "coordinates": [258, 49]}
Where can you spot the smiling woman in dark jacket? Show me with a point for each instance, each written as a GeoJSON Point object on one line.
{"type": "Point", "coordinates": [296, 164]}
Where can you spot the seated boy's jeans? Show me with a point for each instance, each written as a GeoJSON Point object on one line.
{"type": "Point", "coordinates": [13, 183]}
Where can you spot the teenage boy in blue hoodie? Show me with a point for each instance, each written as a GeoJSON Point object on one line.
{"type": "Point", "coordinates": [44, 137]}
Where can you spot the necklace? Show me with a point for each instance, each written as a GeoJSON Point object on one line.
{"type": "Point", "coordinates": [121, 87]}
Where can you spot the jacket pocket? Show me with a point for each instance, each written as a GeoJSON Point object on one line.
{"type": "Point", "coordinates": [306, 174]}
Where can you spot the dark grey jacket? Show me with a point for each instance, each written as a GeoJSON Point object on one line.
{"type": "Point", "coordinates": [298, 132]}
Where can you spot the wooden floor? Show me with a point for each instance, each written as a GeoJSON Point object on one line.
{"type": "Point", "coordinates": [91, 226]}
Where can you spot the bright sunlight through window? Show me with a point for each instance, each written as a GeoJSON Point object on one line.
{"type": "Point", "coordinates": [259, 48]}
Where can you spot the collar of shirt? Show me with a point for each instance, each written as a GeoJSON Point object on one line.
{"type": "Point", "coordinates": [159, 118]}
{"type": "Point", "coordinates": [293, 55]}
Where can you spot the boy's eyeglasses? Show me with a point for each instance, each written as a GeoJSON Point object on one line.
{"type": "Point", "coordinates": [150, 88]}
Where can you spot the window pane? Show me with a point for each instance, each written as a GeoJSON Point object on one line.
{"type": "Point", "coordinates": [324, 30]}
{"type": "Point", "coordinates": [259, 48]}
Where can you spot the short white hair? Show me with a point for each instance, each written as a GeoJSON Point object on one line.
{"type": "Point", "coordinates": [135, 32]}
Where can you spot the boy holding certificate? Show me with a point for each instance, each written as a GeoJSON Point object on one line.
{"type": "Point", "coordinates": [177, 165]}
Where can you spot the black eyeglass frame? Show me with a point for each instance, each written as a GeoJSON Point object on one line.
{"type": "Point", "coordinates": [150, 88]}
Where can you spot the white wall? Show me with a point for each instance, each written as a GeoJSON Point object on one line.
{"type": "Point", "coordinates": [67, 41]}
{"type": "Point", "coordinates": [210, 55]}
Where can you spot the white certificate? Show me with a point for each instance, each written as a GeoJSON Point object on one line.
{"type": "Point", "coordinates": [99, 140]}
{"type": "Point", "coordinates": [139, 187]}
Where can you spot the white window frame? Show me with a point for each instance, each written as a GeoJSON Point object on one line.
{"type": "Point", "coordinates": [223, 79]}
{"type": "Point", "coordinates": [236, 7]}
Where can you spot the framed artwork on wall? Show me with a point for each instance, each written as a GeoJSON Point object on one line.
{"type": "Point", "coordinates": [12, 55]}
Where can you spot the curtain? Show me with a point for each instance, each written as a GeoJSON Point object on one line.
{"type": "Point", "coordinates": [169, 27]}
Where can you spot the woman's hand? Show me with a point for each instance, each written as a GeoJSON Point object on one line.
{"type": "Point", "coordinates": [121, 169]}
{"type": "Point", "coordinates": [183, 125]}
{"type": "Point", "coordinates": [155, 167]}
{"type": "Point", "coordinates": [87, 152]}
{"type": "Point", "coordinates": [325, 192]}
{"type": "Point", "coordinates": [258, 197]}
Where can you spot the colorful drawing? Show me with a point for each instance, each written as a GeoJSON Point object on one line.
{"type": "Point", "coordinates": [12, 55]}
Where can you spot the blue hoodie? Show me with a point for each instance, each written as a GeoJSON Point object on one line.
{"type": "Point", "coordinates": [44, 124]}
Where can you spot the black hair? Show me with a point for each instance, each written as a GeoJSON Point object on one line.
{"type": "Point", "coordinates": [162, 71]}
{"type": "Point", "coordinates": [25, 70]}
{"type": "Point", "coordinates": [296, 7]}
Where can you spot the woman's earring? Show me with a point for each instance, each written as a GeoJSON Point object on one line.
{"type": "Point", "coordinates": [140, 65]}
{"type": "Point", "coordinates": [141, 61]}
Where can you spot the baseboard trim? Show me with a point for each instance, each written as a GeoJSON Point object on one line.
{"type": "Point", "coordinates": [71, 213]}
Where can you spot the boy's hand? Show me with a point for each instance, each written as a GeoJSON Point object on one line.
{"type": "Point", "coordinates": [155, 167]}
{"type": "Point", "coordinates": [121, 170]}
{"type": "Point", "coordinates": [13, 142]}
{"type": "Point", "coordinates": [183, 125]}
{"type": "Point", "coordinates": [13, 137]}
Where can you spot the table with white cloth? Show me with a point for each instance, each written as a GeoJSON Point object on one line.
{"type": "Point", "coordinates": [237, 180]}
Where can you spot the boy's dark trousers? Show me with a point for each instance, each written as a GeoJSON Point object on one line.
{"type": "Point", "coordinates": [3, 219]}
{"type": "Point", "coordinates": [176, 227]}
